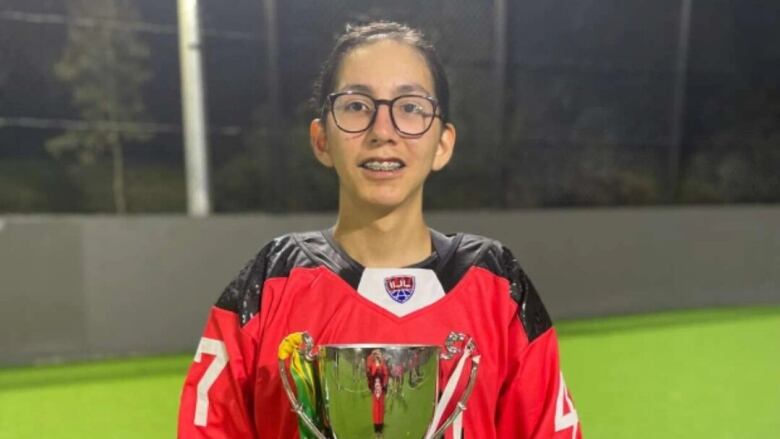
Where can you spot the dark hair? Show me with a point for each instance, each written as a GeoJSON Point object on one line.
{"type": "Point", "coordinates": [356, 35]}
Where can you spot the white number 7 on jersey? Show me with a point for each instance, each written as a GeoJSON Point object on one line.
{"type": "Point", "coordinates": [217, 349]}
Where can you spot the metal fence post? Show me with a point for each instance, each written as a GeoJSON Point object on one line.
{"type": "Point", "coordinates": [193, 109]}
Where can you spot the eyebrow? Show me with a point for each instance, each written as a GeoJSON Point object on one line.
{"type": "Point", "coordinates": [407, 88]}
{"type": "Point", "coordinates": [401, 89]}
{"type": "Point", "coordinates": [357, 87]}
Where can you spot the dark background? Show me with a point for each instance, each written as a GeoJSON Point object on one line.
{"type": "Point", "coordinates": [579, 110]}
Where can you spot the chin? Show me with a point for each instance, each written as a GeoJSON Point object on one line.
{"type": "Point", "coordinates": [383, 200]}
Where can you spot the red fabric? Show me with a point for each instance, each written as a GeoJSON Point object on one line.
{"type": "Point", "coordinates": [516, 392]}
{"type": "Point", "coordinates": [230, 401]}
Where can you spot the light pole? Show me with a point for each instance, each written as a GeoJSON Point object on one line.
{"type": "Point", "coordinates": [193, 110]}
{"type": "Point", "coordinates": [273, 117]}
{"type": "Point", "coordinates": [678, 102]}
{"type": "Point", "coordinates": [500, 55]}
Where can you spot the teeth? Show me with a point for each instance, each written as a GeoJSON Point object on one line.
{"type": "Point", "coordinates": [382, 166]}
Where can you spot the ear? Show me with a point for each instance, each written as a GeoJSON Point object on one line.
{"type": "Point", "coordinates": [445, 147]}
{"type": "Point", "coordinates": [319, 142]}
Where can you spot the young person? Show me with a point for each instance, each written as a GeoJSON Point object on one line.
{"type": "Point", "coordinates": [380, 274]}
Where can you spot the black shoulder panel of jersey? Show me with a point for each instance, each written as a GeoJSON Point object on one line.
{"type": "Point", "coordinates": [531, 311]}
{"type": "Point", "coordinates": [244, 293]}
{"type": "Point", "coordinates": [322, 250]}
{"type": "Point", "coordinates": [457, 254]}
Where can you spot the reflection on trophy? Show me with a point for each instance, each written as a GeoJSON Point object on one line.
{"type": "Point", "coordinates": [359, 391]}
{"type": "Point", "coordinates": [378, 375]}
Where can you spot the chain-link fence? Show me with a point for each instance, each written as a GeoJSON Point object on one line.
{"type": "Point", "coordinates": [557, 103]}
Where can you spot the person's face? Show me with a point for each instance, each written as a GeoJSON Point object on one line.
{"type": "Point", "coordinates": [384, 70]}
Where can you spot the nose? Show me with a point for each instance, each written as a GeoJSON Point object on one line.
{"type": "Point", "coordinates": [383, 129]}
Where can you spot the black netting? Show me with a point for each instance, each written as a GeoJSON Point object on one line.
{"type": "Point", "coordinates": [587, 104]}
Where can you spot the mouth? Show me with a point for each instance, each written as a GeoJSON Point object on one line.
{"type": "Point", "coordinates": [382, 165]}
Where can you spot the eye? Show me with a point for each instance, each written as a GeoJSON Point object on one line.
{"type": "Point", "coordinates": [351, 104]}
{"type": "Point", "coordinates": [411, 108]}
{"type": "Point", "coordinates": [355, 106]}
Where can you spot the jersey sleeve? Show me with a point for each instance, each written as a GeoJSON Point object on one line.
{"type": "Point", "coordinates": [216, 401]}
{"type": "Point", "coordinates": [534, 402]}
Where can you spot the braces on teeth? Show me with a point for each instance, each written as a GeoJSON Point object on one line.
{"type": "Point", "coordinates": [384, 166]}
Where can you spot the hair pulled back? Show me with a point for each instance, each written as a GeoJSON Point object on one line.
{"type": "Point", "coordinates": [357, 35]}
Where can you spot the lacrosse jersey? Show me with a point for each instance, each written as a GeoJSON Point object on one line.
{"type": "Point", "coordinates": [306, 282]}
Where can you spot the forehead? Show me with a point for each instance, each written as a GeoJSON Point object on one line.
{"type": "Point", "coordinates": [385, 67]}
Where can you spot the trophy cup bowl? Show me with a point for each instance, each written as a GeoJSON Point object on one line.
{"type": "Point", "coordinates": [374, 390]}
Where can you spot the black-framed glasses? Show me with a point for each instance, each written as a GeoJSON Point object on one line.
{"type": "Point", "coordinates": [355, 112]}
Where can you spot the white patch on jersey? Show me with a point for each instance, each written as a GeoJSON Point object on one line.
{"type": "Point", "coordinates": [219, 351]}
{"type": "Point", "coordinates": [427, 288]}
{"type": "Point", "coordinates": [570, 418]}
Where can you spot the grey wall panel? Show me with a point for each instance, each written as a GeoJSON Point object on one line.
{"type": "Point", "coordinates": [154, 279]}
{"type": "Point", "coordinates": [611, 261]}
{"type": "Point", "coordinates": [77, 287]}
{"type": "Point", "coordinates": [42, 308]}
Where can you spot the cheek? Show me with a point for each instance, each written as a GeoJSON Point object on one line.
{"type": "Point", "coordinates": [346, 146]}
{"type": "Point", "coordinates": [425, 151]}
{"type": "Point", "coordinates": [340, 153]}
{"type": "Point", "coordinates": [339, 162]}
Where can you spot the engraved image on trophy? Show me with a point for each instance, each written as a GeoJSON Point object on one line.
{"type": "Point", "coordinates": [360, 391]}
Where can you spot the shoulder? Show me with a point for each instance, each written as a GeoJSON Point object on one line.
{"type": "Point", "coordinates": [494, 256]}
{"type": "Point", "coordinates": [464, 250]}
{"type": "Point", "coordinates": [277, 258]}
{"type": "Point", "coordinates": [285, 252]}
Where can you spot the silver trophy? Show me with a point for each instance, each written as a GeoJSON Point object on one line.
{"type": "Point", "coordinates": [360, 391]}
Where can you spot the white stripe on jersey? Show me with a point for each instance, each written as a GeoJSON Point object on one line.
{"type": "Point", "coordinates": [427, 288]}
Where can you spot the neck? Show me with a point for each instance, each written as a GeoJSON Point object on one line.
{"type": "Point", "coordinates": [383, 237]}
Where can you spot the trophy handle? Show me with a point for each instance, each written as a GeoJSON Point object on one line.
{"type": "Point", "coordinates": [305, 348]}
{"type": "Point", "coordinates": [451, 349]}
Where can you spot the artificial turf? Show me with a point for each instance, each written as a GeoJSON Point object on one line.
{"type": "Point", "coordinates": [695, 374]}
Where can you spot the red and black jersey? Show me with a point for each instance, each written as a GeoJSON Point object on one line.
{"type": "Point", "coordinates": [306, 282]}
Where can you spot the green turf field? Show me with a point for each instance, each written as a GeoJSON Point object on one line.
{"type": "Point", "coordinates": [703, 374]}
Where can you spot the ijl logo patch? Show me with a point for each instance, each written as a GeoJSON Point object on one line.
{"type": "Point", "coordinates": [400, 288]}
